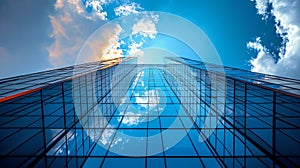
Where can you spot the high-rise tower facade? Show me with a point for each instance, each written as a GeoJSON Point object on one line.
{"type": "Point", "coordinates": [119, 113]}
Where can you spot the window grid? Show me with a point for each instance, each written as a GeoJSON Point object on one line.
{"type": "Point", "coordinates": [43, 129]}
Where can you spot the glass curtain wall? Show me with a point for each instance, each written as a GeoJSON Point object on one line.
{"type": "Point", "coordinates": [87, 117]}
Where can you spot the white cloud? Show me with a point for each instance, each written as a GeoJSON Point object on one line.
{"type": "Point", "coordinates": [78, 7]}
{"type": "Point", "coordinates": [264, 62]}
{"type": "Point", "coordinates": [71, 26]}
{"type": "Point", "coordinates": [66, 18]}
{"type": "Point", "coordinates": [106, 136]}
{"type": "Point", "coordinates": [97, 9]}
{"type": "Point", "coordinates": [146, 26]}
{"type": "Point", "coordinates": [65, 46]}
{"type": "Point", "coordinates": [59, 4]}
{"type": "Point", "coordinates": [116, 141]}
{"type": "Point", "coordinates": [134, 49]}
{"type": "Point", "coordinates": [127, 9]}
{"type": "Point", "coordinates": [131, 118]}
{"type": "Point", "coordinates": [67, 40]}
{"type": "Point", "coordinates": [147, 98]}
{"type": "Point", "coordinates": [262, 6]}
{"type": "Point", "coordinates": [286, 14]}
{"type": "Point", "coordinates": [107, 44]}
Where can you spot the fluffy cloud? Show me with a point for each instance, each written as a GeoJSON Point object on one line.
{"type": "Point", "coordinates": [96, 9]}
{"type": "Point", "coordinates": [264, 61]}
{"type": "Point", "coordinates": [286, 14]}
{"type": "Point", "coordinates": [65, 47]}
{"type": "Point", "coordinates": [106, 136]}
{"type": "Point", "coordinates": [148, 98]}
{"type": "Point", "coordinates": [75, 20]}
{"type": "Point", "coordinates": [131, 118]}
{"type": "Point", "coordinates": [71, 26]}
{"type": "Point", "coordinates": [106, 44]}
{"type": "Point", "coordinates": [262, 6]}
{"type": "Point", "coordinates": [134, 48]}
{"type": "Point", "coordinates": [80, 7]}
{"type": "Point", "coordinates": [127, 9]}
{"type": "Point", "coordinates": [146, 26]}
{"type": "Point", "coordinates": [59, 4]}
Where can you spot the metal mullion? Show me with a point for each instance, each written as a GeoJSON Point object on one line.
{"type": "Point", "coordinates": [162, 143]}
{"type": "Point", "coordinates": [92, 148]}
{"type": "Point", "coordinates": [73, 126]}
{"type": "Point", "coordinates": [28, 139]}
{"type": "Point", "coordinates": [65, 125]}
{"type": "Point", "coordinates": [193, 145]}
{"type": "Point", "coordinates": [105, 155]}
{"type": "Point", "coordinates": [20, 116]}
{"type": "Point", "coordinates": [254, 143]}
{"type": "Point", "coordinates": [147, 131]}
{"type": "Point", "coordinates": [210, 146]}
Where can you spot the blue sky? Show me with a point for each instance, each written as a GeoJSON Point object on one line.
{"type": "Point", "coordinates": [257, 35]}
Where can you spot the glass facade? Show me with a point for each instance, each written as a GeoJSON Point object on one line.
{"type": "Point", "coordinates": [123, 114]}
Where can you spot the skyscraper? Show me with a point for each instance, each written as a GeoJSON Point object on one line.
{"type": "Point", "coordinates": [119, 113]}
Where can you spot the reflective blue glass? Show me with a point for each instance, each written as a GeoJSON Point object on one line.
{"type": "Point", "coordinates": [102, 116]}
